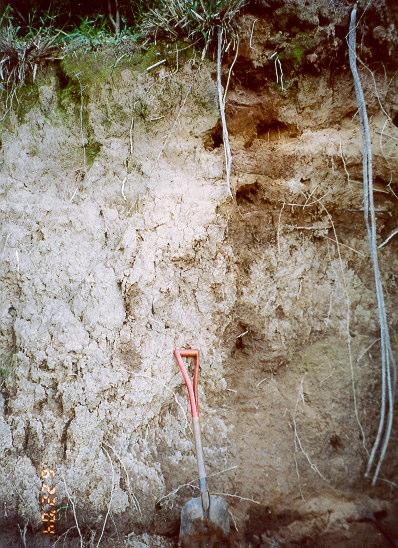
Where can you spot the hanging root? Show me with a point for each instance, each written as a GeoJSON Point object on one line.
{"type": "Point", "coordinates": [297, 441]}
{"type": "Point", "coordinates": [221, 104]}
{"type": "Point", "coordinates": [74, 512]}
{"type": "Point", "coordinates": [388, 367]}
{"type": "Point", "coordinates": [110, 498]}
{"type": "Point", "coordinates": [20, 59]}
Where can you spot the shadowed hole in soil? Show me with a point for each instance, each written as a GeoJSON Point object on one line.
{"type": "Point", "coordinates": [247, 76]}
{"type": "Point", "coordinates": [169, 528]}
{"type": "Point", "coordinates": [213, 138]}
{"type": "Point", "coordinates": [336, 442]}
{"type": "Point", "coordinates": [323, 21]}
{"type": "Point", "coordinates": [262, 519]}
{"type": "Point", "coordinates": [248, 194]}
{"type": "Point", "coordinates": [243, 331]}
{"type": "Point", "coordinates": [274, 131]}
{"type": "Point", "coordinates": [381, 181]}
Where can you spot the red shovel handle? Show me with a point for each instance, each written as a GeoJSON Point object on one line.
{"type": "Point", "coordinates": [192, 389]}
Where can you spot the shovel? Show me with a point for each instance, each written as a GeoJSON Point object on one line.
{"type": "Point", "coordinates": [204, 519]}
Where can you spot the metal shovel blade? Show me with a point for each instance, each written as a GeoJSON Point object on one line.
{"type": "Point", "coordinates": [198, 530]}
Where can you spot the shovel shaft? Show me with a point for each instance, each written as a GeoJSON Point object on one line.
{"type": "Point", "coordinates": [194, 402]}
{"type": "Point", "coordinates": [204, 491]}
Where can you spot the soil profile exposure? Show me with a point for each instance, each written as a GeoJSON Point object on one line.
{"type": "Point", "coordinates": [161, 192]}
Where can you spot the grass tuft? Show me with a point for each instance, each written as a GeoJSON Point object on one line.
{"type": "Point", "coordinates": [196, 21]}
{"type": "Point", "coordinates": [93, 33]}
{"type": "Point", "coordinates": [21, 58]}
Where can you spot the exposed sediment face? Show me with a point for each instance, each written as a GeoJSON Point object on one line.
{"type": "Point", "coordinates": [119, 242]}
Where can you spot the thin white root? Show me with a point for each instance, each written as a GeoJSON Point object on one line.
{"type": "Point", "coordinates": [135, 500]}
{"type": "Point", "coordinates": [123, 194]}
{"type": "Point", "coordinates": [278, 61]}
{"type": "Point", "coordinates": [187, 425]}
{"type": "Point", "coordinates": [312, 465]}
{"type": "Point", "coordinates": [233, 520]}
{"type": "Point", "coordinates": [345, 165]}
{"type": "Point", "coordinates": [251, 34]}
{"type": "Point", "coordinates": [345, 289]}
{"type": "Point", "coordinates": [261, 382]}
{"type": "Point", "coordinates": [246, 499]}
{"type": "Point", "coordinates": [110, 499]}
{"type": "Point", "coordinates": [83, 141]}
{"type": "Point", "coordinates": [176, 490]}
{"type": "Point", "coordinates": [131, 135]}
{"type": "Point", "coordinates": [345, 245]}
{"type": "Point", "coordinates": [221, 105]}
{"type": "Point", "coordinates": [348, 320]}
{"type": "Point", "coordinates": [22, 533]}
{"type": "Point", "coordinates": [193, 484]}
{"type": "Point", "coordinates": [278, 69]}
{"type": "Point", "coordinates": [297, 440]}
{"type": "Point", "coordinates": [278, 230]}
{"type": "Point", "coordinates": [230, 71]}
{"type": "Point", "coordinates": [65, 534]}
{"type": "Point", "coordinates": [174, 123]}
{"type": "Point", "coordinates": [74, 511]}
{"type": "Point", "coordinates": [389, 237]}
{"type": "Point", "coordinates": [388, 366]}
{"type": "Point", "coordinates": [156, 65]}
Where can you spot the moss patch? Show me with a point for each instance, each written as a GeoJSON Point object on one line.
{"type": "Point", "coordinates": [298, 54]}
{"type": "Point", "coordinates": [27, 99]}
{"type": "Point", "coordinates": [86, 68]}
{"type": "Point", "coordinates": [92, 151]}
{"type": "Point", "coordinates": [97, 67]}
{"type": "Point", "coordinates": [302, 44]}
